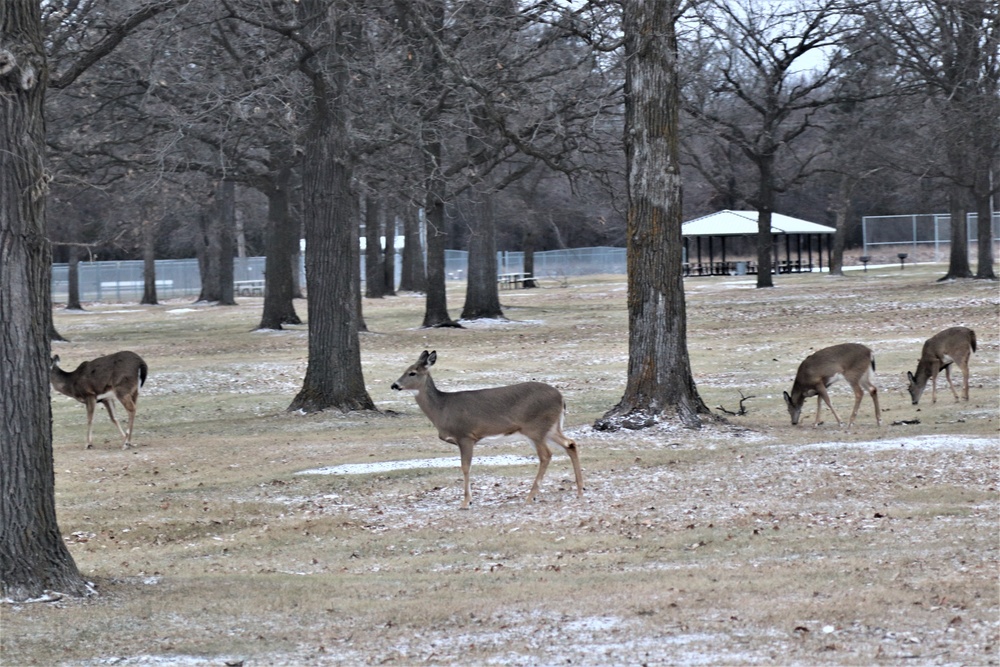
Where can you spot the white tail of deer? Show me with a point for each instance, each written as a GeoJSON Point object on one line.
{"type": "Point", "coordinates": [850, 361]}
{"type": "Point", "coordinates": [951, 346]}
{"type": "Point", "coordinates": [117, 375]}
{"type": "Point", "coordinates": [463, 418]}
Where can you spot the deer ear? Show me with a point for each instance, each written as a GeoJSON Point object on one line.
{"type": "Point", "coordinates": [423, 357]}
{"type": "Point", "coordinates": [432, 358]}
{"type": "Point", "coordinates": [788, 399]}
{"type": "Point", "coordinates": [55, 359]}
{"type": "Point", "coordinates": [909, 376]}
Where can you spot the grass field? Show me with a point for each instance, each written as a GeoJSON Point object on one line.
{"type": "Point", "coordinates": [748, 541]}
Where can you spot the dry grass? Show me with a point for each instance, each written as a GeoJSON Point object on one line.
{"type": "Point", "coordinates": [750, 542]}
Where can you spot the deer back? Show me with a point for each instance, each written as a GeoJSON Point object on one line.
{"type": "Point", "coordinates": [530, 407]}
{"type": "Point", "coordinates": [852, 361]}
{"type": "Point", "coordinates": [100, 376]}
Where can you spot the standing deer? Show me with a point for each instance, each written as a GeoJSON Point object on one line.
{"type": "Point", "coordinates": [954, 345]}
{"type": "Point", "coordinates": [850, 361]}
{"type": "Point", "coordinates": [101, 381]}
{"type": "Point", "coordinates": [463, 418]}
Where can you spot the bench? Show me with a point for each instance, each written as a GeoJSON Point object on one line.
{"type": "Point", "coordinates": [513, 280]}
{"type": "Point", "coordinates": [249, 287]}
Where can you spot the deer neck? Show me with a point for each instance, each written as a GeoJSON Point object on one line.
{"type": "Point", "coordinates": [430, 399]}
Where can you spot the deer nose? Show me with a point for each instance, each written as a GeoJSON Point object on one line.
{"type": "Point", "coordinates": [395, 385]}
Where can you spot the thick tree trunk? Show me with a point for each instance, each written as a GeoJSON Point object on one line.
{"type": "Point", "coordinates": [216, 246]}
{"type": "Point", "coordinates": [659, 369]}
{"type": "Point", "coordinates": [840, 209]}
{"type": "Point", "coordinates": [436, 303]}
{"type": "Point", "coordinates": [414, 275]}
{"type": "Point", "coordinates": [73, 275]}
{"type": "Point", "coordinates": [984, 228]}
{"type": "Point", "coordinates": [374, 269]}
{"type": "Point", "coordinates": [482, 300]}
{"type": "Point", "coordinates": [528, 246]}
{"type": "Point", "coordinates": [33, 557]}
{"type": "Point", "coordinates": [334, 377]}
{"type": "Point", "coordinates": [958, 260]}
{"type": "Point", "coordinates": [765, 207]}
{"type": "Point", "coordinates": [389, 261]}
{"type": "Point", "coordinates": [281, 246]}
{"type": "Point", "coordinates": [148, 262]}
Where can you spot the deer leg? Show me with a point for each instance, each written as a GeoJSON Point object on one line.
{"type": "Point", "coordinates": [129, 401]}
{"type": "Point", "coordinates": [544, 456]}
{"type": "Point", "coordinates": [825, 397]}
{"type": "Point", "coordinates": [965, 378]}
{"type": "Point", "coordinates": [91, 403]}
{"type": "Point", "coordinates": [947, 376]}
{"type": "Point", "coordinates": [873, 391]}
{"type": "Point", "coordinates": [109, 405]}
{"type": "Point", "coordinates": [570, 447]}
{"type": "Point", "coordinates": [934, 387]}
{"type": "Point", "coordinates": [465, 446]}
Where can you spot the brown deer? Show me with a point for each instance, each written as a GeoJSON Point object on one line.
{"type": "Point", "coordinates": [117, 375]}
{"type": "Point", "coordinates": [850, 361]}
{"type": "Point", "coordinates": [951, 346]}
{"type": "Point", "coordinates": [463, 418]}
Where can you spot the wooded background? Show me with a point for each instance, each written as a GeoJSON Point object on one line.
{"type": "Point", "coordinates": [826, 110]}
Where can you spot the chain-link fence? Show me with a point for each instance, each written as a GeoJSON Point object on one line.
{"type": "Point", "coordinates": [180, 278]}
{"type": "Point", "coordinates": [926, 237]}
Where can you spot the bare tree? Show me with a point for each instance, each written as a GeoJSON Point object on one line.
{"type": "Point", "coordinates": [949, 53]}
{"type": "Point", "coordinates": [659, 368]}
{"type": "Point", "coordinates": [33, 557]}
{"type": "Point", "coordinates": [750, 92]}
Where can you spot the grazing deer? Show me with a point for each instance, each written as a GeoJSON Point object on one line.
{"type": "Point", "coordinates": [951, 346]}
{"type": "Point", "coordinates": [101, 381]}
{"type": "Point", "coordinates": [850, 361]}
{"type": "Point", "coordinates": [463, 418]}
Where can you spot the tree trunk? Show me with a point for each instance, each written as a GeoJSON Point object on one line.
{"type": "Point", "coordinates": [765, 206]}
{"type": "Point", "coordinates": [482, 300]}
{"type": "Point", "coordinates": [659, 369]}
{"type": "Point", "coordinates": [958, 261]}
{"type": "Point", "coordinates": [840, 208]}
{"type": "Point", "coordinates": [281, 245]}
{"type": "Point", "coordinates": [436, 303]}
{"type": "Point", "coordinates": [216, 246]}
{"type": "Point", "coordinates": [389, 262]}
{"type": "Point", "coordinates": [33, 557]}
{"type": "Point", "coordinates": [73, 274]}
{"type": "Point", "coordinates": [148, 262]}
{"type": "Point", "coordinates": [414, 278]}
{"type": "Point", "coordinates": [333, 377]}
{"type": "Point", "coordinates": [528, 246]}
{"type": "Point", "coordinates": [984, 227]}
{"type": "Point", "coordinates": [374, 270]}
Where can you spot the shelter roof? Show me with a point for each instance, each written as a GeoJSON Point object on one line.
{"type": "Point", "coordinates": [744, 223]}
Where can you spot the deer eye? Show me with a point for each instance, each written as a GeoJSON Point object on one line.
{"type": "Point", "coordinates": [412, 373]}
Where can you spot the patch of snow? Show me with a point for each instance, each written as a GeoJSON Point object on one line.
{"type": "Point", "coordinates": [182, 310]}
{"type": "Point", "coordinates": [917, 442]}
{"type": "Point", "coordinates": [413, 464]}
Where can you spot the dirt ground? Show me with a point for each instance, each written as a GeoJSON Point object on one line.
{"type": "Point", "coordinates": [229, 536]}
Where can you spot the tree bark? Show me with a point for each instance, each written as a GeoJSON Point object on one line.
{"type": "Point", "coordinates": [482, 300]}
{"type": "Point", "coordinates": [765, 207]}
{"type": "Point", "coordinates": [148, 262]}
{"type": "Point", "coordinates": [374, 269]}
{"type": "Point", "coordinates": [73, 275]}
{"type": "Point", "coordinates": [840, 208]}
{"type": "Point", "coordinates": [389, 261]}
{"type": "Point", "coordinates": [414, 275]}
{"type": "Point", "coordinates": [958, 259]}
{"type": "Point", "coordinates": [280, 252]}
{"type": "Point", "coordinates": [659, 369]}
{"type": "Point", "coordinates": [333, 377]}
{"type": "Point", "coordinates": [984, 227]}
{"type": "Point", "coordinates": [216, 246]}
{"type": "Point", "coordinates": [33, 557]}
